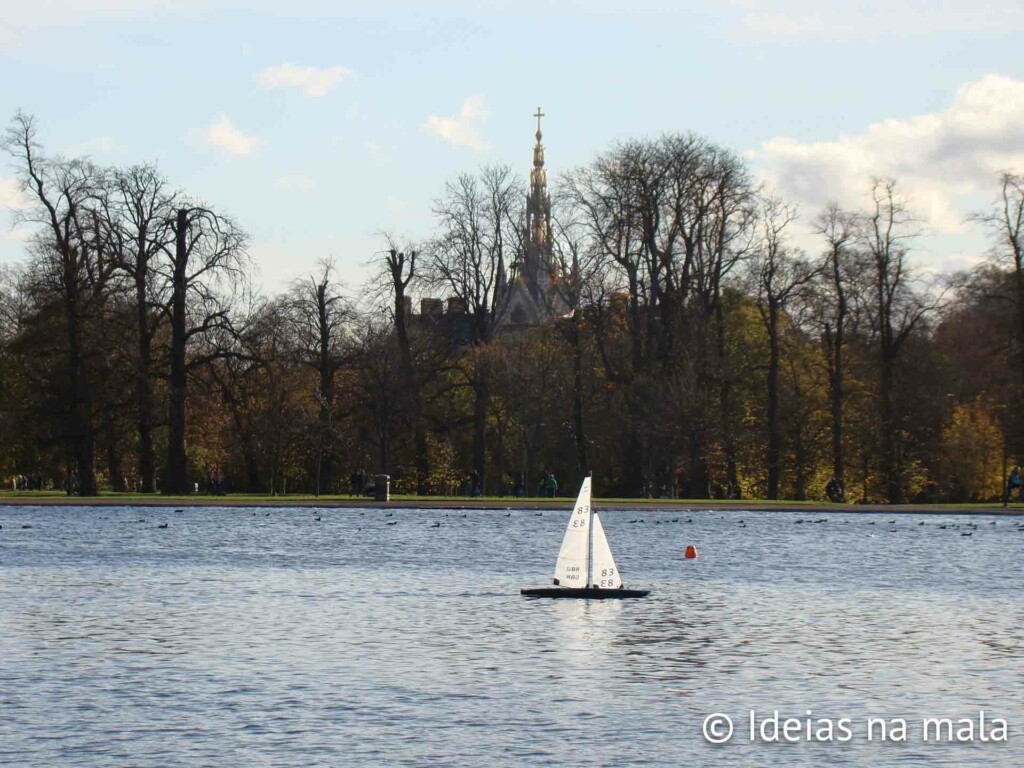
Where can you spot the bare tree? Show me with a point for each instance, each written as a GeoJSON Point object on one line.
{"type": "Point", "coordinates": [897, 310]}
{"type": "Point", "coordinates": [1006, 222]}
{"type": "Point", "coordinates": [481, 239]}
{"type": "Point", "coordinates": [781, 273]}
{"type": "Point", "coordinates": [73, 261]}
{"type": "Point", "coordinates": [670, 219]}
{"type": "Point", "coordinates": [320, 316]}
{"type": "Point", "coordinates": [723, 233]}
{"type": "Point", "coordinates": [204, 263]}
{"type": "Point", "coordinates": [139, 211]}
{"type": "Point", "coordinates": [577, 265]}
{"type": "Point", "coordinates": [399, 272]}
{"type": "Point", "coordinates": [838, 229]}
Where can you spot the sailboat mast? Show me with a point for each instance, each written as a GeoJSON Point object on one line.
{"type": "Point", "coordinates": [590, 535]}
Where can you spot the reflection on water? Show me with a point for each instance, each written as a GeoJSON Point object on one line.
{"type": "Point", "coordinates": [236, 637]}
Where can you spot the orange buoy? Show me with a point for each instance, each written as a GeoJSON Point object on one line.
{"type": "Point", "coordinates": [691, 552]}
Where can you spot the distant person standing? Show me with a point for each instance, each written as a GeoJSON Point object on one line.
{"type": "Point", "coordinates": [834, 490]}
{"type": "Point", "coordinates": [1013, 482]}
{"type": "Point", "coordinates": [551, 485]}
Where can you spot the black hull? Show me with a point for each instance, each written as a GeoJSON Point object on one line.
{"type": "Point", "coordinates": [588, 593]}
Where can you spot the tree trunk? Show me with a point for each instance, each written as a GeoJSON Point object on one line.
{"type": "Point", "coordinates": [835, 344]}
{"type": "Point", "coordinates": [835, 363]}
{"type": "Point", "coordinates": [579, 428]}
{"type": "Point", "coordinates": [481, 397]}
{"type": "Point", "coordinates": [115, 466]}
{"type": "Point", "coordinates": [422, 458]}
{"type": "Point", "coordinates": [773, 402]}
{"type": "Point", "coordinates": [411, 382]}
{"type": "Point", "coordinates": [887, 414]}
{"type": "Point", "coordinates": [176, 472]}
{"type": "Point", "coordinates": [82, 435]}
{"type": "Point", "coordinates": [1019, 282]}
{"type": "Point", "coordinates": [144, 387]}
{"type": "Point", "coordinates": [725, 407]}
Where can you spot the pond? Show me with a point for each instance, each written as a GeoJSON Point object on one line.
{"type": "Point", "coordinates": [240, 636]}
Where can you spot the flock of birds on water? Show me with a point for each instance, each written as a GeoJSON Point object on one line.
{"type": "Point", "coordinates": [965, 529]}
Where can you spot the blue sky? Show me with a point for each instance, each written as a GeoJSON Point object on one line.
{"type": "Point", "coordinates": [320, 124]}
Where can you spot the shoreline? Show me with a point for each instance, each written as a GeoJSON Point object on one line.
{"type": "Point", "coordinates": [532, 504]}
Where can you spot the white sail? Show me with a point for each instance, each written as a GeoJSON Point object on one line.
{"type": "Point", "coordinates": [571, 568]}
{"type": "Point", "coordinates": [603, 571]}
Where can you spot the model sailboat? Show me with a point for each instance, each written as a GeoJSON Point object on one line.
{"type": "Point", "coordinates": [585, 566]}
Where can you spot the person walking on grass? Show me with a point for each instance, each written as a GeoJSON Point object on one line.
{"type": "Point", "coordinates": [551, 485]}
{"type": "Point", "coordinates": [1014, 482]}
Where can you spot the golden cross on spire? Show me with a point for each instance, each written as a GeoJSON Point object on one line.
{"type": "Point", "coordinates": [538, 115]}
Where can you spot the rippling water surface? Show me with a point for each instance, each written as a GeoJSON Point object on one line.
{"type": "Point", "coordinates": [240, 637]}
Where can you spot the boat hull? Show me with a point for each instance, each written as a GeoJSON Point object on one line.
{"type": "Point", "coordinates": [586, 593]}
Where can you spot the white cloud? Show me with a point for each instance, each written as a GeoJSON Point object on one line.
{"type": "Point", "coordinates": [225, 136]}
{"type": "Point", "coordinates": [373, 149]}
{"type": "Point", "coordinates": [15, 235]}
{"type": "Point", "coordinates": [782, 25]}
{"type": "Point", "coordinates": [872, 19]}
{"type": "Point", "coordinates": [397, 207]}
{"type": "Point", "coordinates": [295, 183]}
{"type": "Point", "coordinates": [98, 145]}
{"type": "Point", "coordinates": [464, 129]}
{"type": "Point", "coordinates": [941, 160]}
{"type": "Point", "coordinates": [10, 194]}
{"type": "Point", "coordinates": [312, 81]}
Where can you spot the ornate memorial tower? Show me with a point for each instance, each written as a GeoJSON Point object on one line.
{"type": "Point", "coordinates": [531, 298]}
{"type": "Point", "coordinates": [538, 266]}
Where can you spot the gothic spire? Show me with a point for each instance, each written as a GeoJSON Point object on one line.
{"type": "Point", "coordinates": [538, 203]}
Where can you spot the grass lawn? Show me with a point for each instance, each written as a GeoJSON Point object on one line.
{"type": "Point", "coordinates": [55, 497]}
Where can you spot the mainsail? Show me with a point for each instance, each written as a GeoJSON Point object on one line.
{"type": "Point", "coordinates": [603, 573]}
{"type": "Point", "coordinates": [571, 568]}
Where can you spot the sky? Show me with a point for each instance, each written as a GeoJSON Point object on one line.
{"type": "Point", "coordinates": [319, 125]}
